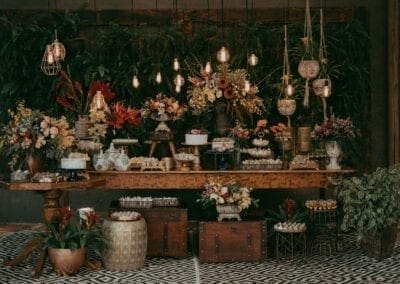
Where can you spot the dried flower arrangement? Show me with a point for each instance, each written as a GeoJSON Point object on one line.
{"type": "Point", "coordinates": [163, 108]}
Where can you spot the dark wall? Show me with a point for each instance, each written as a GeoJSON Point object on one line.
{"type": "Point", "coordinates": [26, 206]}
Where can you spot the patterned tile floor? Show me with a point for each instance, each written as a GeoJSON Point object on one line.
{"type": "Point", "coordinates": [349, 266]}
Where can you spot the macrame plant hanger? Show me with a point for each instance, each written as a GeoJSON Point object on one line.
{"type": "Point", "coordinates": [308, 67]}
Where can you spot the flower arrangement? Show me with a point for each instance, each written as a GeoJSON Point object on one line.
{"type": "Point", "coordinates": [335, 129]}
{"type": "Point", "coordinates": [71, 96]}
{"type": "Point", "coordinates": [219, 191]}
{"type": "Point", "coordinates": [163, 108]}
{"type": "Point", "coordinates": [31, 132]}
{"type": "Point", "coordinates": [280, 130]}
{"type": "Point", "coordinates": [67, 232]}
{"type": "Point", "coordinates": [224, 85]}
{"type": "Point", "coordinates": [240, 134]}
{"type": "Point", "coordinates": [122, 116]}
{"type": "Point", "coordinates": [261, 127]}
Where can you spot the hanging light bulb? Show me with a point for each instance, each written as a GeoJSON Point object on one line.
{"type": "Point", "coordinates": [223, 55]}
{"type": "Point", "coordinates": [135, 82]}
{"type": "Point", "coordinates": [50, 66]}
{"type": "Point", "coordinates": [176, 66]}
{"type": "Point", "coordinates": [178, 89]}
{"type": "Point", "coordinates": [208, 68]}
{"type": "Point", "coordinates": [158, 77]}
{"type": "Point", "coordinates": [58, 48]}
{"type": "Point", "coordinates": [179, 80]}
{"type": "Point", "coordinates": [326, 92]}
{"type": "Point", "coordinates": [252, 60]}
{"type": "Point", "coordinates": [98, 102]}
{"type": "Point", "coordinates": [289, 90]}
{"type": "Point", "coordinates": [246, 86]}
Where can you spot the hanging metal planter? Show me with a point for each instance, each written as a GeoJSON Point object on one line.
{"type": "Point", "coordinates": [50, 65]}
{"type": "Point", "coordinates": [308, 67]}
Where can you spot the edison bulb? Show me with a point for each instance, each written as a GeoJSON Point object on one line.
{"type": "Point", "coordinates": [50, 58]}
{"type": "Point", "coordinates": [223, 55]}
{"type": "Point", "coordinates": [176, 64]}
{"type": "Point", "coordinates": [158, 78]}
{"type": "Point", "coordinates": [135, 82]}
{"type": "Point", "coordinates": [326, 91]}
{"type": "Point", "coordinates": [179, 80]}
{"type": "Point", "coordinates": [252, 60]}
{"type": "Point", "coordinates": [208, 68]}
{"type": "Point", "coordinates": [246, 86]}
{"type": "Point", "coordinates": [59, 50]}
{"type": "Point", "coordinates": [98, 100]}
{"type": "Point", "coordinates": [177, 88]}
{"type": "Point", "coordinates": [289, 90]}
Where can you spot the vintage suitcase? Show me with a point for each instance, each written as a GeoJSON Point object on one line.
{"type": "Point", "coordinates": [232, 241]}
{"type": "Point", "coordinates": [166, 230]}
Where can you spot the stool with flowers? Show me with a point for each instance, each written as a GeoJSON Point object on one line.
{"type": "Point", "coordinates": [229, 197]}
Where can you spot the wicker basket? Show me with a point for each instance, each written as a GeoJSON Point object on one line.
{"type": "Point", "coordinates": [380, 245]}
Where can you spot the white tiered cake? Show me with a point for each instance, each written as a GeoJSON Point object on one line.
{"type": "Point", "coordinates": [196, 139]}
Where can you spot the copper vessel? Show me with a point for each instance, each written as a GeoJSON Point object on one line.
{"type": "Point", "coordinates": [66, 261]}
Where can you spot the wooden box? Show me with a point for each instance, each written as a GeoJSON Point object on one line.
{"type": "Point", "coordinates": [232, 241]}
{"type": "Point", "coordinates": [166, 230]}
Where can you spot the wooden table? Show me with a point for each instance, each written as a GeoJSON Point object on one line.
{"type": "Point", "coordinates": [183, 180]}
{"type": "Point", "coordinates": [51, 192]}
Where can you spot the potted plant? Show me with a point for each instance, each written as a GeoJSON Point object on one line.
{"type": "Point", "coordinates": [32, 137]}
{"type": "Point", "coordinates": [371, 206]}
{"type": "Point", "coordinates": [68, 241]}
{"type": "Point", "coordinates": [228, 196]}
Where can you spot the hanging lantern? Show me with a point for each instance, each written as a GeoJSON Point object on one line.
{"type": "Point", "coordinates": [135, 82]}
{"type": "Point", "coordinates": [208, 68]}
{"type": "Point", "coordinates": [252, 60]}
{"type": "Point", "coordinates": [179, 80]}
{"type": "Point", "coordinates": [50, 66]}
{"type": "Point", "coordinates": [223, 55]}
{"type": "Point", "coordinates": [308, 68]}
{"type": "Point", "coordinates": [58, 48]}
{"type": "Point", "coordinates": [158, 78]}
{"type": "Point", "coordinates": [176, 65]}
{"type": "Point", "coordinates": [247, 86]}
{"type": "Point", "coordinates": [177, 89]}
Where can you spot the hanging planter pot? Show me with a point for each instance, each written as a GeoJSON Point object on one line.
{"type": "Point", "coordinates": [319, 87]}
{"type": "Point", "coordinates": [308, 69]}
{"type": "Point", "coordinates": [286, 106]}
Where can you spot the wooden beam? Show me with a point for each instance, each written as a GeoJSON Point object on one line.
{"type": "Point", "coordinates": [393, 81]}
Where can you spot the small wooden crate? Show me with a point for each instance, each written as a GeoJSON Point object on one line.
{"type": "Point", "coordinates": [166, 230]}
{"type": "Point", "coordinates": [232, 241]}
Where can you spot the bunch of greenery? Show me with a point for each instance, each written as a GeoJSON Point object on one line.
{"type": "Point", "coordinates": [371, 202]}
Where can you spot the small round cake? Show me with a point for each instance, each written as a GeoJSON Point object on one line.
{"type": "Point", "coordinates": [73, 163]}
{"type": "Point", "coordinates": [196, 139]}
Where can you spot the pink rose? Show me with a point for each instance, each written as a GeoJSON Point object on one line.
{"type": "Point", "coordinates": [53, 131]}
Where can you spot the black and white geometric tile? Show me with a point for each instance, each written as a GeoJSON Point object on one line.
{"type": "Point", "coordinates": [349, 266]}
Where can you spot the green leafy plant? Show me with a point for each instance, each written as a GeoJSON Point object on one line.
{"type": "Point", "coordinates": [371, 203]}
{"type": "Point", "coordinates": [69, 233]}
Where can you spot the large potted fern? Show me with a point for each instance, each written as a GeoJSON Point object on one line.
{"type": "Point", "coordinates": [371, 206]}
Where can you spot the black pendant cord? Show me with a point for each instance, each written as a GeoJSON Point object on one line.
{"type": "Point", "coordinates": [208, 29]}
{"type": "Point", "coordinates": [132, 13]}
{"type": "Point", "coordinates": [222, 22]}
{"type": "Point", "coordinates": [247, 34]}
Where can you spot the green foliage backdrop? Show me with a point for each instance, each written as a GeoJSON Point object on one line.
{"type": "Point", "coordinates": [113, 53]}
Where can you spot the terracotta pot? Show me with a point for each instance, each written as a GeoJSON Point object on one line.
{"type": "Point", "coordinates": [34, 164]}
{"type": "Point", "coordinates": [67, 262]}
{"type": "Point", "coordinates": [82, 126]}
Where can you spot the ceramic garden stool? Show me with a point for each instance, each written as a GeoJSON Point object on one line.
{"type": "Point", "coordinates": [127, 244]}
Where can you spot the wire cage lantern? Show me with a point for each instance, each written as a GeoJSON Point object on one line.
{"type": "Point", "coordinates": [58, 48]}
{"type": "Point", "coordinates": [50, 65]}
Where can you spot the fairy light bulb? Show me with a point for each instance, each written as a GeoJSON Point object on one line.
{"type": "Point", "coordinates": [289, 91]}
{"type": "Point", "coordinates": [179, 80]}
{"type": "Point", "coordinates": [208, 68]}
{"type": "Point", "coordinates": [50, 54]}
{"type": "Point", "coordinates": [135, 82]}
{"type": "Point", "coordinates": [223, 55]}
{"type": "Point", "coordinates": [252, 60]}
{"type": "Point", "coordinates": [98, 99]}
{"type": "Point", "coordinates": [178, 89]}
{"type": "Point", "coordinates": [326, 92]}
{"type": "Point", "coordinates": [176, 66]}
{"type": "Point", "coordinates": [158, 77]}
{"type": "Point", "coordinates": [246, 86]}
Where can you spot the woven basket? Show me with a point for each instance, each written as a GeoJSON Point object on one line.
{"type": "Point", "coordinates": [380, 245]}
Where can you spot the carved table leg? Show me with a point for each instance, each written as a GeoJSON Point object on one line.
{"type": "Point", "coordinates": [51, 206]}
{"type": "Point", "coordinates": [25, 252]}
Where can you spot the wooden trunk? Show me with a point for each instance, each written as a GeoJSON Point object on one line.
{"type": "Point", "coordinates": [232, 241]}
{"type": "Point", "coordinates": [166, 230]}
